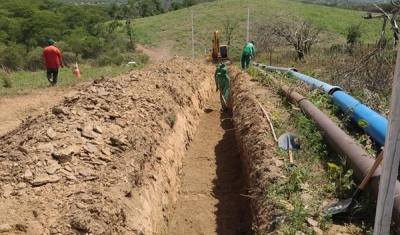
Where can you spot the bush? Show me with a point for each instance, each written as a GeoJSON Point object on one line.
{"type": "Point", "coordinates": [12, 57]}
{"type": "Point", "coordinates": [6, 78]}
{"type": "Point", "coordinates": [34, 60]}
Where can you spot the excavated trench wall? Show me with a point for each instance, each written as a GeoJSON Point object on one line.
{"type": "Point", "coordinates": [256, 145]}
{"type": "Point", "coordinates": [107, 159]}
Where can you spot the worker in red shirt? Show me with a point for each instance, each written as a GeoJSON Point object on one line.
{"type": "Point", "coordinates": [52, 60]}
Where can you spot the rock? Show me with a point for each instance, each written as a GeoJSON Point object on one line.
{"type": "Point", "coordinates": [90, 148]}
{"type": "Point", "coordinates": [106, 159]}
{"type": "Point", "coordinates": [64, 155]}
{"type": "Point", "coordinates": [23, 149]}
{"type": "Point", "coordinates": [28, 175]}
{"type": "Point", "coordinates": [44, 179]}
{"type": "Point", "coordinates": [51, 133]}
{"type": "Point", "coordinates": [68, 174]}
{"type": "Point", "coordinates": [5, 228]}
{"type": "Point", "coordinates": [53, 168]}
{"type": "Point", "coordinates": [60, 110]}
{"type": "Point", "coordinates": [85, 171]}
{"type": "Point", "coordinates": [278, 163]}
{"type": "Point", "coordinates": [98, 129]}
{"type": "Point", "coordinates": [88, 134]}
{"type": "Point", "coordinates": [312, 222]}
{"type": "Point", "coordinates": [106, 151]}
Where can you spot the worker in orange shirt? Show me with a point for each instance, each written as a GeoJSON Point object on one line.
{"type": "Point", "coordinates": [52, 60]}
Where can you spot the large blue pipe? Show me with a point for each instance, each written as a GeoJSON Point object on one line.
{"type": "Point", "coordinates": [370, 121]}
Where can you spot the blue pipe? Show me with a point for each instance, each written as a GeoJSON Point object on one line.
{"type": "Point", "coordinates": [370, 121]}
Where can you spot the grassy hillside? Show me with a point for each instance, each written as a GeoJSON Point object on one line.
{"type": "Point", "coordinates": [173, 29]}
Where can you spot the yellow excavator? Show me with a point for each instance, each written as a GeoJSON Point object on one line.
{"type": "Point", "coordinates": [219, 51]}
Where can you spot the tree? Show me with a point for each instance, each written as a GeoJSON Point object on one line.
{"type": "Point", "coordinates": [301, 35]}
{"type": "Point", "coordinates": [229, 27]}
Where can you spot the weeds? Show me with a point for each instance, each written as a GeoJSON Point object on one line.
{"type": "Point", "coordinates": [172, 118]}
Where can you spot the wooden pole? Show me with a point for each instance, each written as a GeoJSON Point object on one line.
{"type": "Point", "coordinates": [387, 183]}
{"type": "Point", "coordinates": [269, 120]}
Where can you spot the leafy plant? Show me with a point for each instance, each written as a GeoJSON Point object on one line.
{"type": "Point", "coordinates": [340, 179]}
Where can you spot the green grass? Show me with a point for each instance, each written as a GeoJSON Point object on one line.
{"type": "Point", "coordinates": [23, 81]}
{"type": "Point", "coordinates": [173, 29]}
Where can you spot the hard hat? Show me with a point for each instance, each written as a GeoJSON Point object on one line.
{"type": "Point", "coordinates": [222, 65]}
{"type": "Point", "coordinates": [223, 71]}
{"type": "Point", "coordinates": [51, 41]}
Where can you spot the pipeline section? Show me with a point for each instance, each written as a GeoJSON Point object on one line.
{"type": "Point", "coordinates": [356, 157]}
{"type": "Point", "coordinates": [370, 121]}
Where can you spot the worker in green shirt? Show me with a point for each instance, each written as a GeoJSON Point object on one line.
{"type": "Point", "coordinates": [249, 52]}
{"type": "Point", "coordinates": [223, 87]}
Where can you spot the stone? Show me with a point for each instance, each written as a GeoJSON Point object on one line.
{"type": "Point", "coordinates": [23, 149]}
{"type": "Point", "coordinates": [53, 168]}
{"type": "Point", "coordinates": [98, 129]}
{"type": "Point", "coordinates": [318, 231]}
{"type": "Point", "coordinates": [91, 148]}
{"type": "Point", "coordinates": [28, 175]}
{"type": "Point", "coordinates": [106, 151]}
{"type": "Point", "coordinates": [51, 133]}
{"type": "Point", "coordinates": [64, 155]}
{"type": "Point", "coordinates": [85, 171]}
{"type": "Point", "coordinates": [44, 179]}
{"type": "Point", "coordinates": [60, 110]}
{"type": "Point", "coordinates": [312, 222]}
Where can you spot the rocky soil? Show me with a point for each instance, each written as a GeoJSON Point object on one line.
{"type": "Point", "coordinates": [105, 160]}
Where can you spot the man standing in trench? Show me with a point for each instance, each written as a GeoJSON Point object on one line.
{"type": "Point", "coordinates": [224, 88]}
{"type": "Point", "coordinates": [52, 60]}
{"type": "Point", "coordinates": [217, 71]}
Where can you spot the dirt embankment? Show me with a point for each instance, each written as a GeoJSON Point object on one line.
{"type": "Point", "coordinates": [105, 161]}
{"type": "Point", "coordinates": [256, 144]}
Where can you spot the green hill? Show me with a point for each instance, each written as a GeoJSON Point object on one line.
{"type": "Point", "coordinates": [173, 29]}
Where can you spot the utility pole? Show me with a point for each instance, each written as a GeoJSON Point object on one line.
{"type": "Point", "coordinates": [191, 12]}
{"type": "Point", "coordinates": [248, 24]}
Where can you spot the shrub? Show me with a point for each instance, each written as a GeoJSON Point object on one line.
{"type": "Point", "coordinates": [34, 60]}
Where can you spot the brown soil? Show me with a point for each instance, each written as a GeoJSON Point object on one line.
{"type": "Point", "coordinates": [147, 152]}
{"type": "Point", "coordinates": [107, 158]}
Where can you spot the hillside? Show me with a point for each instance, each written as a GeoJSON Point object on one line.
{"type": "Point", "coordinates": [175, 31]}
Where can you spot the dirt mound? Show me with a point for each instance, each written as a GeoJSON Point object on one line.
{"type": "Point", "coordinates": [256, 144]}
{"type": "Point", "coordinates": [107, 159]}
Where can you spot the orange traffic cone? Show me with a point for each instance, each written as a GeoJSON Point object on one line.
{"type": "Point", "coordinates": [76, 71]}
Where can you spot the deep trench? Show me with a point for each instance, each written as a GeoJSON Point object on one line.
{"type": "Point", "coordinates": [212, 197]}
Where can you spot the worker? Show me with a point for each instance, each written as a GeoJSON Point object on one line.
{"type": "Point", "coordinates": [249, 52]}
{"type": "Point", "coordinates": [224, 87]}
{"type": "Point", "coordinates": [218, 70]}
{"type": "Point", "coordinates": [52, 60]}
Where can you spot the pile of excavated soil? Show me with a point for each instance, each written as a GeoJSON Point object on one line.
{"type": "Point", "coordinates": [107, 159]}
{"type": "Point", "coordinates": [257, 146]}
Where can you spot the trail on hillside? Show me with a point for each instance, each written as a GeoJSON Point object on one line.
{"type": "Point", "coordinates": [212, 195]}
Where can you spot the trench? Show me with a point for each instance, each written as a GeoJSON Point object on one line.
{"type": "Point", "coordinates": [212, 198]}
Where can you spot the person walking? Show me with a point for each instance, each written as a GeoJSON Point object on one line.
{"type": "Point", "coordinates": [52, 60]}
{"type": "Point", "coordinates": [249, 52]}
{"type": "Point", "coordinates": [224, 88]}
{"type": "Point", "coordinates": [218, 70]}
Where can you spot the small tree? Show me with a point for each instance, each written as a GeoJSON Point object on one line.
{"type": "Point", "coordinates": [301, 35]}
{"type": "Point", "coordinates": [229, 27]}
